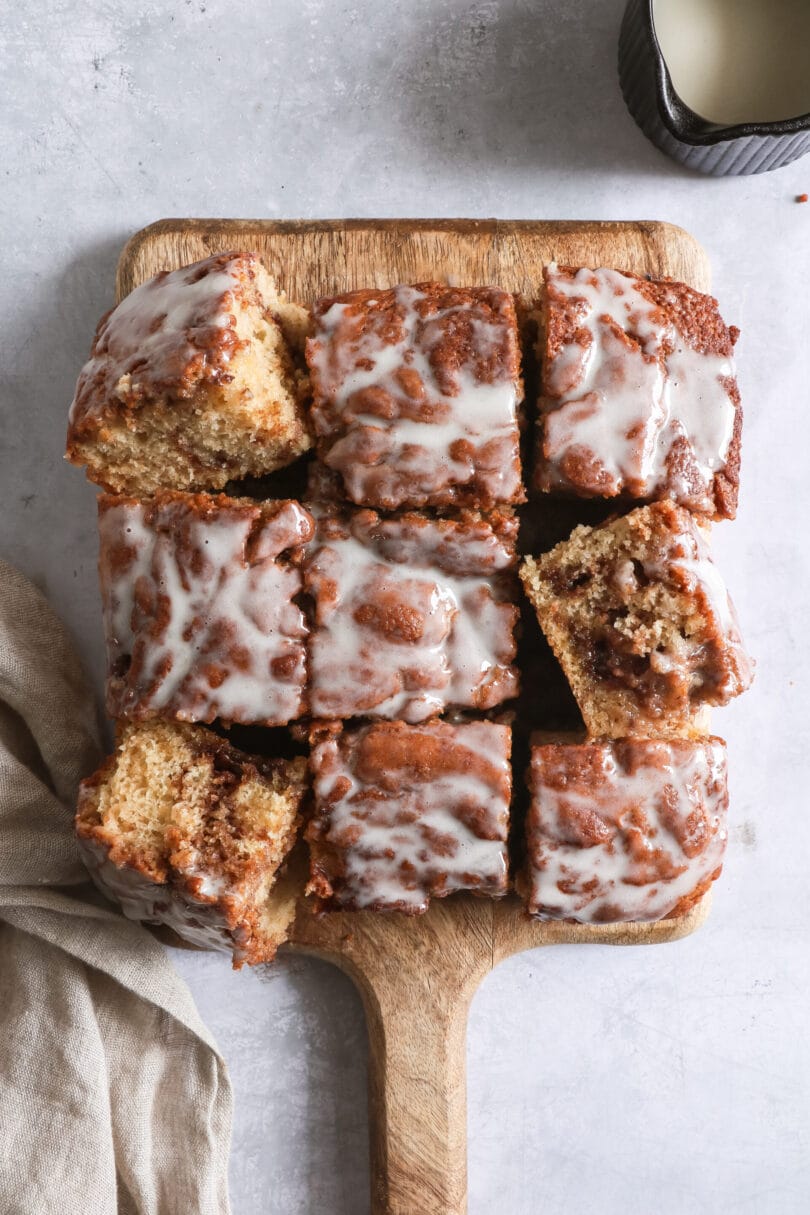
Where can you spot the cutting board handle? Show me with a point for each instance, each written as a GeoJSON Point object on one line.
{"type": "Point", "coordinates": [417, 1098]}
{"type": "Point", "coordinates": [416, 977]}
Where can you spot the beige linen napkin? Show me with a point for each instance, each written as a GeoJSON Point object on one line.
{"type": "Point", "coordinates": [113, 1098]}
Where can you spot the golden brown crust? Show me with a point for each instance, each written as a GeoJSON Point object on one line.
{"type": "Point", "coordinates": [695, 315]}
{"type": "Point", "coordinates": [381, 312]}
{"type": "Point", "coordinates": [629, 829]}
{"type": "Point", "coordinates": [184, 356]}
{"type": "Point", "coordinates": [411, 614]}
{"type": "Point", "coordinates": [205, 507]}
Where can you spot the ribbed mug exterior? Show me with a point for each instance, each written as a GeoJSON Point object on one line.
{"type": "Point", "coordinates": [677, 130]}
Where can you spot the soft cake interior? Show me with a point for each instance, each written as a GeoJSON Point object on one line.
{"type": "Point", "coordinates": [640, 652]}
{"type": "Point", "coordinates": [247, 425]}
{"type": "Point", "coordinates": [184, 808]}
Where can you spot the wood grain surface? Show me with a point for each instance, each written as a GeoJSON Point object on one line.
{"type": "Point", "coordinates": [417, 975]}
{"type": "Point", "coordinates": [310, 258]}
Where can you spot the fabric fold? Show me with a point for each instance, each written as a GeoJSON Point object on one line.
{"type": "Point", "coordinates": [113, 1096]}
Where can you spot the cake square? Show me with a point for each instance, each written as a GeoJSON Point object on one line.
{"type": "Point", "coordinates": [412, 615]}
{"type": "Point", "coordinates": [181, 828]}
{"type": "Point", "coordinates": [198, 604]}
{"type": "Point", "coordinates": [408, 813]}
{"type": "Point", "coordinates": [633, 829]}
{"type": "Point", "coordinates": [639, 395]}
{"type": "Point", "coordinates": [415, 395]}
{"type": "Point", "coordinates": [640, 621]}
{"type": "Point", "coordinates": [191, 382]}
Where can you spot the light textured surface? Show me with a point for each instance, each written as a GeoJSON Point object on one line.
{"type": "Point", "coordinates": [102, 1051]}
{"type": "Point", "coordinates": [674, 1078]}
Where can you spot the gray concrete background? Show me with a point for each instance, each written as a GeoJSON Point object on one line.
{"type": "Point", "coordinates": [673, 1079]}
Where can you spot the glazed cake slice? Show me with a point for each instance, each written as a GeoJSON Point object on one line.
{"type": "Point", "coordinates": [412, 615]}
{"type": "Point", "coordinates": [416, 393]}
{"type": "Point", "coordinates": [182, 829]}
{"type": "Point", "coordinates": [406, 813]}
{"type": "Point", "coordinates": [639, 395]}
{"type": "Point", "coordinates": [198, 604]}
{"type": "Point", "coordinates": [191, 382]}
{"type": "Point", "coordinates": [641, 623]}
{"type": "Point", "coordinates": [633, 829]}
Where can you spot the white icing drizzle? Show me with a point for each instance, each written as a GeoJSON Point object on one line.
{"type": "Point", "coordinates": [210, 885]}
{"type": "Point", "coordinates": [651, 828]}
{"type": "Point", "coordinates": [396, 634]}
{"type": "Point", "coordinates": [693, 557]}
{"type": "Point", "coordinates": [211, 628]}
{"type": "Point", "coordinates": [158, 329]}
{"type": "Point", "coordinates": [627, 391]}
{"type": "Point", "coordinates": [398, 846]}
{"type": "Point", "coordinates": [688, 561]}
{"type": "Point", "coordinates": [198, 920]}
{"type": "Point", "coordinates": [397, 459]}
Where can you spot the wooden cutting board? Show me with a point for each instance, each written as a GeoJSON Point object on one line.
{"type": "Point", "coordinates": [417, 976]}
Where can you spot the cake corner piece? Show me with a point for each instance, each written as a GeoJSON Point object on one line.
{"type": "Point", "coordinates": [223, 570]}
{"type": "Point", "coordinates": [623, 830]}
{"type": "Point", "coordinates": [182, 829]}
{"type": "Point", "coordinates": [191, 382]}
{"type": "Point", "coordinates": [639, 397]}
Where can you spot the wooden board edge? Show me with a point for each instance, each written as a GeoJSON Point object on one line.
{"type": "Point", "coordinates": [512, 932]}
{"type": "Point", "coordinates": [511, 936]}
{"type": "Point", "coordinates": [135, 250]}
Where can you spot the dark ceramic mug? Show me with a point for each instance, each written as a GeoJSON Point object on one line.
{"type": "Point", "coordinates": [709, 147]}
